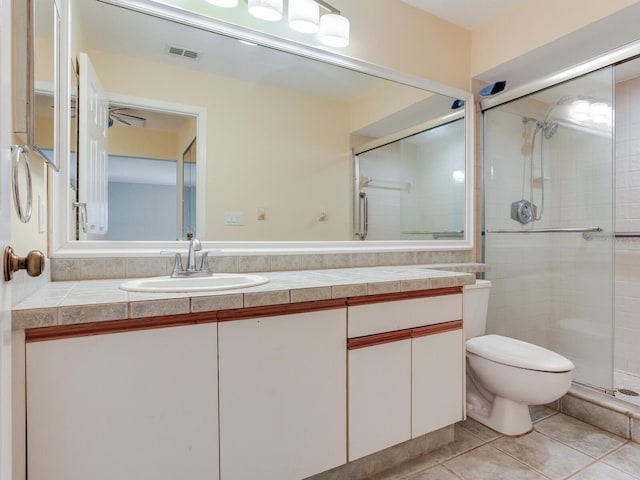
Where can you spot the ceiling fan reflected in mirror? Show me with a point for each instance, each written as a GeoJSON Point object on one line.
{"type": "Point", "coordinates": [125, 116]}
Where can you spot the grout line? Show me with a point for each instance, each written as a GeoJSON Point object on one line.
{"type": "Point", "coordinates": [528, 467]}
{"type": "Point", "coordinates": [585, 467]}
{"type": "Point", "coordinates": [617, 468]}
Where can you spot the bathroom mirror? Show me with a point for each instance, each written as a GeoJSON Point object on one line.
{"type": "Point", "coordinates": [46, 38]}
{"type": "Point", "coordinates": [279, 122]}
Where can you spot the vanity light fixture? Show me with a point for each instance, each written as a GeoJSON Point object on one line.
{"type": "Point", "coordinates": [334, 30]}
{"type": "Point", "coordinates": [223, 3]}
{"type": "Point", "coordinates": [269, 10]}
{"type": "Point", "coordinates": [303, 16]}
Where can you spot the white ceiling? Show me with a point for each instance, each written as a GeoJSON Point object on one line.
{"type": "Point", "coordinates": [469, 14]}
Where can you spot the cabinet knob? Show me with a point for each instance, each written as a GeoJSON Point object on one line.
{"type": "Point", "coordinates": [33, 263]}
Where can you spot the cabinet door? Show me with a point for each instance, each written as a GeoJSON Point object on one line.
{"type": "Point", "coordinates": [127, 406]}
{"type": "Point", "coordinates": [437, 379]}
{"type": "Point", "coordinates": [282, 395]}
{"type": "Point", "coordinates": [379, 397]}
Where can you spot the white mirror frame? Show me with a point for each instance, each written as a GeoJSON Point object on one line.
{"type": "Point", "coordinates": [60, 199]}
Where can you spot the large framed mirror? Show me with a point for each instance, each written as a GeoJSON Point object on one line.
{"type": "Point", "coordinates": [281, 135]}
{"type": "Point", "coordinates": [46, 115]}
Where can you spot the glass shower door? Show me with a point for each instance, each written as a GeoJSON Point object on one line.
{"type": "Point", "coordinates": [413, 187]}
{"type": "Point", "coordinates": [548, 221]}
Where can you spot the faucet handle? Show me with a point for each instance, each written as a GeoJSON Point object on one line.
{"type": "Point", "coordinates": [177, 261]}
{"type": "Point", "coordinates": [204, 261]}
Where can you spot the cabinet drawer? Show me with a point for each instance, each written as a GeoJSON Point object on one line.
{"type": "Point", "coordinates": [383, 317]}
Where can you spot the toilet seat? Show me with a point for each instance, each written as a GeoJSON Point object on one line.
{"type": "Point", "coordinates": [516, 353]}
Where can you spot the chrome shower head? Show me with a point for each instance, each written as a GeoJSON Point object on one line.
{"type": "Point", "coordinates": [550, 130]}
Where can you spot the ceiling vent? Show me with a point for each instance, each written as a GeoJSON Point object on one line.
{"type": "Point", "coordinates": [183, 52]}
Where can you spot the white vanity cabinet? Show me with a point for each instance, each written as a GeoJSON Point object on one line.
{"type": "Point", "coordinates": [406, 368]}
{"type": "Point", "coordinates": [127, 406]}
{"type": "Point", "coordinates": [379, 397]}
{"type": "Point", "coordinates": [280, 392]}
{"type": "Point", "coordinates": [282, 395]}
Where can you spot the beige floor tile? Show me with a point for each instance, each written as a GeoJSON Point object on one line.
{"type": "Point", "coordinates": [579, 435]}
{"type": "Point", "coordinates": [601, 471]}
{"type": "Point", "coordinates": [479, 430]}
{"type": "Point", "coordinates": [435, 473]}
{"type": "Point", "coordinates": [548, 456]}
{"type": "Point", "coordinates": [489, 463]}
{"type": "Point", "coordinates": [539, 412]}
{"type": "Point", "coordinates": [464, 441]}
{"type": "Point", "coordinates": [626, 459]}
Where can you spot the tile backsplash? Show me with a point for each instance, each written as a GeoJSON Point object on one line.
{"type": "Point", "coordinates": [75, 269]}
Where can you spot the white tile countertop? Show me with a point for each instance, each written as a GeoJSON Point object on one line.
{"type": "Point", "coordinates": [72, 302]}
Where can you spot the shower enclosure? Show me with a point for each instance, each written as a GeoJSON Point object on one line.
{"type": "Point", "coordinates": [548, 221]}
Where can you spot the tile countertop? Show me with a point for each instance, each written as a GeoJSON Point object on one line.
{"type": "Point", "coordinates": [65, 303]}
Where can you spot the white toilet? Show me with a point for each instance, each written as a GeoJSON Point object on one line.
{"type": "Point", "coordinates": [504, 375]}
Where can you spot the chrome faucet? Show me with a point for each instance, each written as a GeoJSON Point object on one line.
{"type": "Point", "coordinates": [194, 246]}
{"type": "Point", "coordinates": [192, 270]}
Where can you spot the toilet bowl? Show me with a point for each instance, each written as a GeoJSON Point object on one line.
{"type": "Point", "coordinates": [505, 375]}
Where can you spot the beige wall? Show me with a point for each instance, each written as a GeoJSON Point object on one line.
{"type": "Point", "coordinates": [246, 165]}
{"type": "Point", "coordinates": [533, 24]}
{"type": "Point", "coordinates": [26, 236]}
{"type": "Point", "coordinates": [143, 142]}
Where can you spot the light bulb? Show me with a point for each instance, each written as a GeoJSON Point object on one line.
{"type": "Point", "coordinates": [269, 10]}
{"type": "Point", "coordinates": [580, 110]}
{"type": "Point", "coordinates": [334, 30]}
{"type": "Point", "coordinates": [223, 3]}
{"type": "Point", "coordinates": [304, 16]}
{"type": "Point", "coordinates": [600, 112]}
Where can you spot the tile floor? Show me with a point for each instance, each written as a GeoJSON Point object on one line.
{"type": "Point", "coordinates": [560, 447]}
{"type": "Point", "coordinates": [627, 381]}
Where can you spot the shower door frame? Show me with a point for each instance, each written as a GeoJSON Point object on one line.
{"type": "Point", "coordinates": [610, 59]}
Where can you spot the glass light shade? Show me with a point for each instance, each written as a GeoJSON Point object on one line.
{"type": "Point", "coordinates": [269, 10]}
{"type": "Point", "coordinates": [304, 16]}
{"type": "Point", "coordinates": [580, 110]}
{"type": "Point", "coordinates": [334, 30]}
{"type": "Point", "coordinates": [223, 3]}
{"type": "Point", "coordinates": [601, 113]}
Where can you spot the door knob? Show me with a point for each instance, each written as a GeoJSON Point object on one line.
{"type": "Point", "coordinates": [33, 263]}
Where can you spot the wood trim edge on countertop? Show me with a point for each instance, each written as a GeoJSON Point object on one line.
{"type": "Point", "coordinates": [54, 332]}
{"type": "Point", "coordinates": [57, 332]}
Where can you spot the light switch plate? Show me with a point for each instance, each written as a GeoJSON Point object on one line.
{"type": "Point", "coordinates": [234, 218]}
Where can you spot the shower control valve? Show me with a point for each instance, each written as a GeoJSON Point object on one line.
{"type": "Point", "coordinates": [523, 211]}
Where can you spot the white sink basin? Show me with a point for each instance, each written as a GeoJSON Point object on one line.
{"type": "Point", "coordinates": [219, 281]}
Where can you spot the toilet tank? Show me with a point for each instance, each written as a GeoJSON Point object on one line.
{"type": "Point", "coordinates": [475, 300]}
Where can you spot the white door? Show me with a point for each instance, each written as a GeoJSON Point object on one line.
{"type": "Point", "coordinates": [5, 237]}
{"type": "Point", "coordinates": [93, 152]}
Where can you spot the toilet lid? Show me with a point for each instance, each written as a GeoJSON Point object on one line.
{"type": "Point", "coordinates": [516, 353]}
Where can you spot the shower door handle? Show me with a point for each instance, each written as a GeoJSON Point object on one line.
{"type": "Point", "coordinates": [363, 207]}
